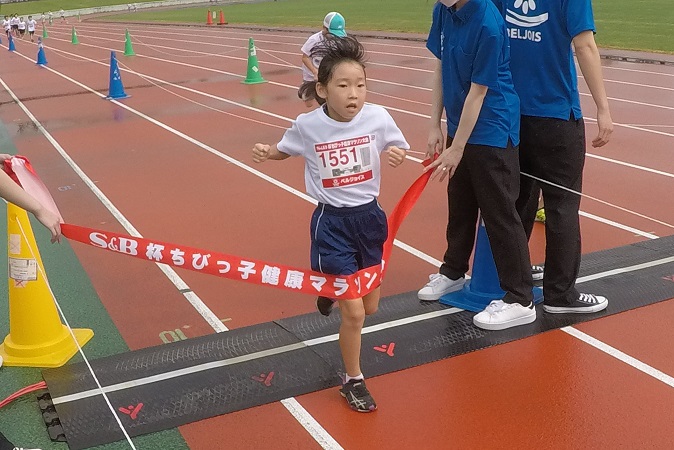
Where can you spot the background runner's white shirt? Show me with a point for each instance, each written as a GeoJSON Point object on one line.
{"type": "Point", "coordinates": [22, 25]}
{"type": "Point", "coordinates": [313, 41]}
{"type": "Point", "coordinates": [31, 25]}
{"type": "Point", "coordinates": [14, 21]}
{"type": "Point", "coordinates": [342, 165]}
{"type": "Point", "coordinates": [5, 24]}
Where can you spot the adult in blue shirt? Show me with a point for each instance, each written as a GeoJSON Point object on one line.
{"type": "Point", "coordinates": [552, 131]}
{"type": "Point", "coordinates": [473, 83]}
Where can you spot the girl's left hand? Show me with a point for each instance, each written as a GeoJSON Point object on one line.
{"type": "Point", "coordinates": [396, 156]}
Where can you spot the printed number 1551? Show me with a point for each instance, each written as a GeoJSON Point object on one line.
{"type": "Point", "coordinates": [341, 157]}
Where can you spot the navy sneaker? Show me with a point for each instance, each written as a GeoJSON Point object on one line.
{"type": "Point", "coordinates": [585, 303]}
{"type": "Point", "coordinates": [324, 305]}
{"type": "Point", "coordinates": [356, 394]}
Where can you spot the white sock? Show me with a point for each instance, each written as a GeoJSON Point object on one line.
{"type": "Point", "coordinates": [358, 377]}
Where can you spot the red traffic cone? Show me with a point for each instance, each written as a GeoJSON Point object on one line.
{"type": "Point", "coordinates": [222, 20]}
{"type": "Point", "coordinates": [209, 18]}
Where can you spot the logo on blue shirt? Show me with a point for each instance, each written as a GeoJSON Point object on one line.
{"type": "Point", "coordinates": [529, 19]}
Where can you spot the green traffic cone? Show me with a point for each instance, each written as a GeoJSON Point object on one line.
{"type": "Point", "coordinates": [45, 35]}
{"type": "Point", "coordinates": [73, 39]}
{"type": "Point", "coordinates": [253, 75]}
{"type": "Point", "coordinates": [128, 48]}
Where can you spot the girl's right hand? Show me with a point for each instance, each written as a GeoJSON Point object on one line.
{"type": "Point", "coordinates": [261, 152]}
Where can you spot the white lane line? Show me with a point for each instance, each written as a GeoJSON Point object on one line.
{"type": "Point", "coordinates": [370, 63]}
{"type": "Point", "coordinates": [617, 225]}
{"type": "Point", "coordinates": [317, 432]}
{"type": "Point", "coordinates": [375, 80]}
{"type": "Point", "coordinates": [632, 127]}
{"type": "Point", "coordinates": [650, 86]}
{"type": "Point", "coordinates": [324, 439]}
{"type": "Point", "coordinates": [177, 281]}
{"type": "Point", "coordinates": [634, 268]}
{"type": "Point", "coordinates": [245, 34]}
{"type": "Point", "coordinates": [320, 340]}
{"type": "Point", "coordinates": [627, 359]}
{"type": "Point", "coordinates": [59, 74]}
{"type": "Point", "coordinates": [171, 374]}
{"type": "Point", "coordinates": [310, 424]}
{"type": "Point", "coordinates": [633, 102]}
{"type": "Point", "coordinates": [625, 69]}
{"type": "Point", "coordinates": [425, 257]}
{"type": "Point", "coordinates": [630, 165]}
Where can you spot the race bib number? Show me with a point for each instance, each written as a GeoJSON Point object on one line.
{"type": "Point", "coordinates": [346, 162]}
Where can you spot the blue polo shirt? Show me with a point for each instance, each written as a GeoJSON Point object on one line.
{"type": "Point", "coordinates": [472, 46]}
{"type": "Point", "coordinates": [542, 59]}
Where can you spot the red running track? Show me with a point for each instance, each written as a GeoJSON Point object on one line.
{"type": "Point", "coordinates": [177, 166]}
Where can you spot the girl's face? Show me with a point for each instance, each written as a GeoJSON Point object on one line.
{"type": "Point", "coordinates": [345, 93]}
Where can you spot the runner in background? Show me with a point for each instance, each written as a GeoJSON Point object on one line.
{"type": "Point", "coordinates": [334, 24]}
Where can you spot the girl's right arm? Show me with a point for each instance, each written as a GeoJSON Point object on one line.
{"type": "Point", "coordinates": [309, 64]}
{"type": "Point", "coordinates": [263, 152]}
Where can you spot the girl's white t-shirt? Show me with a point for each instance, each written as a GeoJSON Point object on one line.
{"type": "Point", "coordinates": [313, 41]}
{"type": "Point", "coordinates": [31, 25]}
{"type": "Point", "coordinates": [342, 159]}
{"type": "Point", "coordinates": [5, 24]}
{"type": "Point", "coordinates": [22, 25]}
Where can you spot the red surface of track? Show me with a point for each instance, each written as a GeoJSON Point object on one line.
{"type": "Point", "coordinates": [547, 391]}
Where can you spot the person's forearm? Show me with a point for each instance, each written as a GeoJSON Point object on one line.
{"type": "Point", "coordinates": [277, 155]}
{"type": "Point", "coordinates": [306, 60]}
{"type": "Point", "coordinates": [469, 114]}
{"type": "Point", "coordinates": [437, 103]}
{"type": "Point", "coordinates": [590, 65]}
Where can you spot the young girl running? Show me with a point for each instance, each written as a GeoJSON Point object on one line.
{"type": "Point", "coordinates": [341, 143]}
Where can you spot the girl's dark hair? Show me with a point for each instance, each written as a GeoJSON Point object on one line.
{"type": "Point", "coordinates": [333, 51]}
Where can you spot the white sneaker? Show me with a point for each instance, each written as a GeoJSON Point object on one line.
{"type": "Point", "coordinates": [439, 285]}
{"type": "Point", "coordinates": [499, 315]}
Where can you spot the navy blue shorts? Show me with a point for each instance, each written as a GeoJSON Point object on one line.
{"type": "Point", "coordinates": [345, 240]}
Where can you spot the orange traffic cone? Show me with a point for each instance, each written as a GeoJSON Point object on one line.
{"type": "Point", "coordinates": [209, 18]}
{"type": "Point", "coordinates": [36, 336]}
{"type": "Point", "coordinates": [222, 20]}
